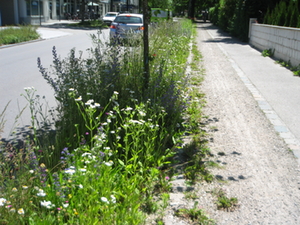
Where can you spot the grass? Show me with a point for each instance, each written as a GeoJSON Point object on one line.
{"type": "Point", "coordinates": [223, 202]}
{"type": "Point", "coordinates": [107, 160]}
{"type": "Point", "coordinates": [288, 65]}
{"type": "Point", "coordinates": [12, 35]}
{"type": "Point", "coordinates": [195, 214]}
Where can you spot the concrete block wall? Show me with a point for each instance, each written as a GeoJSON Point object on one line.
{"type": "Point", "coordinates": [284, 40]}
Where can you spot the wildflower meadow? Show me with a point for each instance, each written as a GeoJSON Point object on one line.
{"type": "Point", "coordinates": [103, 154]}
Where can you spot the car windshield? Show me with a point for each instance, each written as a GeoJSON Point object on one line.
{"type": "Point", "coordinates": [128, 19]}
{"type": "Point", "coordinates": [110, 15]}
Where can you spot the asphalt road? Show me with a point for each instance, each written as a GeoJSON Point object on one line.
{"type": "Point", "coordinates": [18, 69]}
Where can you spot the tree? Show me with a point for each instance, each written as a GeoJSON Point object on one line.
{"type": "Point", "coordinates": [146, 44]}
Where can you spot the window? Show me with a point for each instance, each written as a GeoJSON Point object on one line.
{"type": "Point", "coordinates": [128, 19]}
{"type": "Point", "coordinates": [34, 7]}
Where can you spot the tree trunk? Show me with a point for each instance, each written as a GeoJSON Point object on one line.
{"type": "Point", "coordinates": [82, 10]}
{"type": "Point", "coordinates": [191, 11]}
{"type": "Point", "coordinates": [146, 45]}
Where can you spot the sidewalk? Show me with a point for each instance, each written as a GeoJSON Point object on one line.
{"type": "Point", "coordinates": [249, 136]}
{"type": "Point", "coordinates": [48, 32]}
{"type": "Point", "coordinates": [275, 88]}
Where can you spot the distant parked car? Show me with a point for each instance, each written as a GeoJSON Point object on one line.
{"type": "Point", "coordinates": [126, 26]}
{"type": "Point", "coordinates": [109, 17]}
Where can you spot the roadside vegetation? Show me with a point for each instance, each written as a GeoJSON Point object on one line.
{"type": "Point", "coordinates": [104, 154]}
{"type": "Point", "coordinates": [288, 65]}
{"type": "Point", "coordinates": [12, 35]}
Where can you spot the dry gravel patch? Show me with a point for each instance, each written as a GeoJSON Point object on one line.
{"type": "Point", "coordinates": [256, 165]}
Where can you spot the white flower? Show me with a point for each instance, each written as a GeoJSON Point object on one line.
{"type": "Point", "coordinates": [28, 88]}
{"type": "Point", "coordinates": [41, 193]}
{"type": "Point", "coordinates": [116, 93]}
{"type": "Point", "coordinates": [80, 186]}
{"type": "Point", "coordinates": [88, 155]}
{"type": "Point", "coordinates": [31, 171]}
{"type": "Point", "coordinates": [25, 187]}
{"type": "Point", "coordinates": [89, 102]}
{"type": "Point", "coordinates": [65, 205]}
{"type": "Point", "coordinates": [70, 171]}
{"type": "Point", "coordinates": [47, 204]}
{"type": "Point", "coordinates": [82, 170]}
{"type": "Point", "coordinates": [2, 201]}
{"type": "Point", "coordinates": [78, 99]}
{"type": "Point", "coordinates": [21, 211]}
{"type": "Point", "coordinates": [142, 113]}
{"type": "Point", "coordinates": [97, 105]}
{"type": "Point", "coordinates": [71, 89]}
{"type": "Point", "coordinates": [135, 121]}
{"type": "Point", "coordinates": [103, 199]}
{"type": "Point", "coordinates": [110, 163]}
{"type": "Point", "coordinates": [113, 199]}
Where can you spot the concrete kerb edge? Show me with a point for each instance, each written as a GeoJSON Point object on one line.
{"type": "Point", "coordinates": [279, 126]}
{"type": "Point", "coordinates": [22, 43]}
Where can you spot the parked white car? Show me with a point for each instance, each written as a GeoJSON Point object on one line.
{"type": "Point", "coordinates": [109, 17]}
{"type": "Point", "coordinates": [126, 26]}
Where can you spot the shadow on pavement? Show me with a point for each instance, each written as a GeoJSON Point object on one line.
{"type": "Point", "coordinates": [223, 37]}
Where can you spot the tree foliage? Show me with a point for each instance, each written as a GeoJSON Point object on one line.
{"type": "Point", "coordinates": [284, 13]}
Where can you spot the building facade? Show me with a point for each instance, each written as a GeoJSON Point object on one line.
{"type": "Point", "coordinates": [37, 11]}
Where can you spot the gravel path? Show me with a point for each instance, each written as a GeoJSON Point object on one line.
{"type": "Point", "coordinates": [257, 166]}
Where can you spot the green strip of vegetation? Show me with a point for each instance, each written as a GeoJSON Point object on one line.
{"type": "Point", "coordinates": [12, 35]}
{"type": "Point", "coordinates": [108, 159]}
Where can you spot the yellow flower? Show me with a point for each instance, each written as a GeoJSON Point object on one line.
{"type": "Point", "coordinates": [69, 195]}
{"type": "Point", "coordinates": [42, 165]}
{"type": "Point", "coordinates": [14, 189]}
{"type": "Point", "coordinates": [75, 212]}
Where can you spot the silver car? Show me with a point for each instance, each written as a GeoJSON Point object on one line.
{"type": "Point", "coordinates": [126, 26]}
